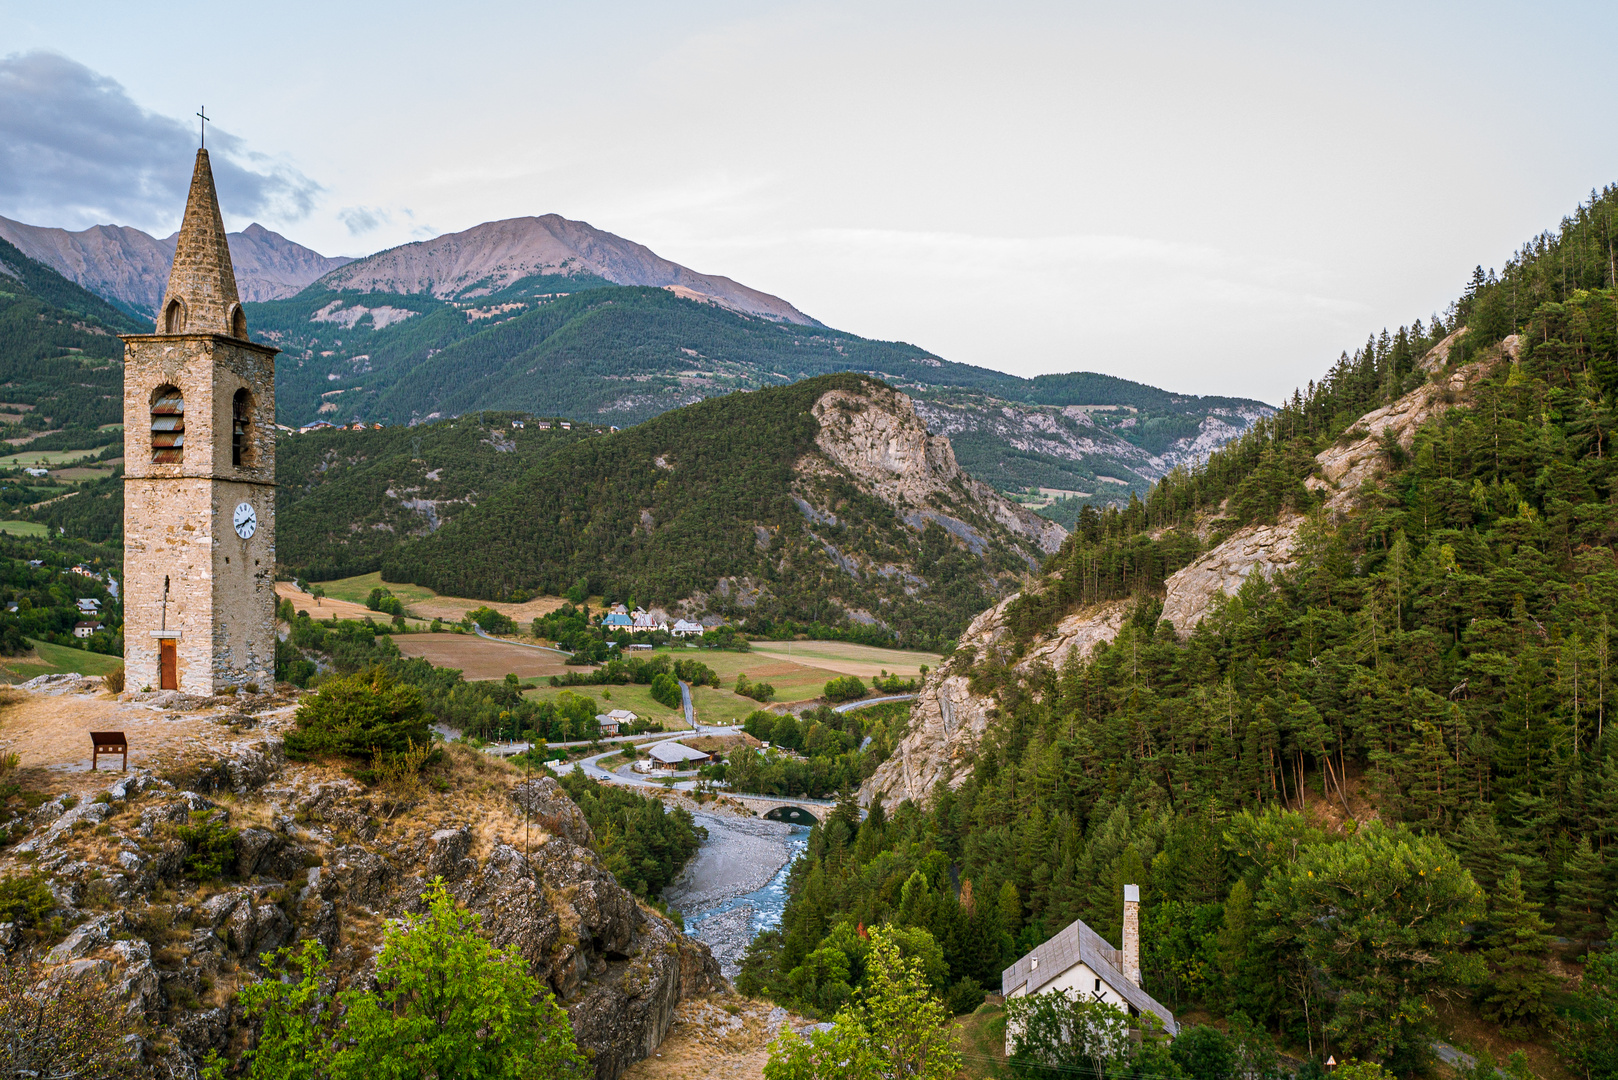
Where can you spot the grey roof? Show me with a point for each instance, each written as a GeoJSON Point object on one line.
{"type": "Point", "coordinates": [1074, 945]}
{"type": "Point", "coordinates": [675, 752]}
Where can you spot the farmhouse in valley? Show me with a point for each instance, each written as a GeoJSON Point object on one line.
{"type": "Point", "coordinates": [1079, 959]}
{"type": "Point", "coordinates": [686, 629]}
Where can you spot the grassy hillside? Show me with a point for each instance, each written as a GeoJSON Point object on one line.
{"type": "Point", "coordinates": [1384, 778]}
{"type": "Point", "coordinates": [702, 501]}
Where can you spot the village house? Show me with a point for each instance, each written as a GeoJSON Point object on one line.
{"type": "Point", "coordinates": [613, 723]}
{"type": "Point", "coordinates": [682, 628]}
{"type": "Point", "coordinates": [617, 620]}
{"type": "Point", "coordinates": [85, 629]}
{"type": "Point", "coordinates": [642, 621]}
{"type": "Point", "coordinates": [672, 756]}
{"type": "Point", "coordinates": [1079, 960]}
{"type": "Point", "coordinates": [89, 605]}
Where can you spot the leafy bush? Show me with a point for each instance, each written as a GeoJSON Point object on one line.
{"type": "Point", "coordinates": [358, 715]}
{"type": "Point", "coordinates": [212, 845]}
{"type": "Point", "coordinates": [383, 600]}
{"type": "Point", "coordinates": [845, 688]}
{"type": "Point", "coordinates": [964, 997]}
{"type": "Point", "coordinates": [446, 1003]}
{"type": "Point", "coordinates": [492, 621]}
{"type": "Point", "coordinates": [761, 691]}
{"type": "Point", "coordinates": [666, 690]}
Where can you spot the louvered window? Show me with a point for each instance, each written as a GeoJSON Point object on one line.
{"type": "Point", "coordinates": [168, 427]}
{"type": "Point", "coordinates": [241, 410]}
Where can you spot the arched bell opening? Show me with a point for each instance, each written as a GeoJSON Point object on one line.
{"type": "Point", "coordinates": [168, 426]}
{"type": "Point", "coordinates": [238, 322]}
{"type": "Point", "coordinates": [174, 317]}
{"type": "Point", "coordinates": [241, 418]}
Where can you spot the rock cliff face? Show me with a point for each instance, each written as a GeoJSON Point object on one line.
{"type": "Point", "coordinates": [318, 855]}
{"type": "Point", "coordinates": [875, 438]}
{"type": "Point", "coordinates": [948, 718]}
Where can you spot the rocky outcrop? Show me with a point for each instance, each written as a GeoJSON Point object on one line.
{"type": "Point", "coordinates": [320, 856]}
{"type": "Point", "coordinates": [948, 718]}
{"type": "Point", "coordinates": [875, 437]}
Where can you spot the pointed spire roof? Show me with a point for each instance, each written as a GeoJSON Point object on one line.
{"type": "Point", "coordinates": [202, 280]}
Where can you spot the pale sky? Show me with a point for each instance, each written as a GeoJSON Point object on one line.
{"type": "Point", "coordinates": [1212, 198]}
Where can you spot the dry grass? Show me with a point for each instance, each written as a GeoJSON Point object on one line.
{"type": "Point", "coordinates": [480, 658]}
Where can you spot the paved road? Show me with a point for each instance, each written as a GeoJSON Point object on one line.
{"type": "Point", "coordinates": [685, 699]}
{"type": "Point", "coordinates": [866, 704]}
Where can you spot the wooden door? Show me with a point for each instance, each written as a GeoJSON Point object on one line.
{"type": "Point", "coordinates": [168, 665]}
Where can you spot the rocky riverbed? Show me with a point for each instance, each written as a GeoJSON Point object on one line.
{"type": "Point", "coordinates": [729, 890]}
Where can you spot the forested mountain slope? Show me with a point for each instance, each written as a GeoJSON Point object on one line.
{"type": "Point", "coordinates": [824, 501]}
{"type": "Point", "coordinates": [1337, 700]}
{"type": "Point", "coordinates": [61, 363]}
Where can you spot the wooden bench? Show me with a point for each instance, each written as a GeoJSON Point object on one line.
{"type": "Point", "coordinates": [108, 742]}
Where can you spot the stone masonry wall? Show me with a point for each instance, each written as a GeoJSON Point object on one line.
{"type": "Point", "coordinates": [178, 517]}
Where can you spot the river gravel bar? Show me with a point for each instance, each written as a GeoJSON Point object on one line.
{"type": "Point", "coordinates": [740, 856]}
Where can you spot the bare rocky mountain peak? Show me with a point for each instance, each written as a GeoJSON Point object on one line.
{"type": "Point", "coordinates": [495, 255]}
{"type": "Point", "coordinates": [131, 267]}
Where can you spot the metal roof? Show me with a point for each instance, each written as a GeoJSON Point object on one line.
{"type": "Point", "coordinates": [673, 751]}
{"type": "Point", "coordinates": [1078, 944]}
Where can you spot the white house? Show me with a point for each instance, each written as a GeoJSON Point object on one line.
{"type": "Point", "coordinates": [90, 605]}
{"type": "Point", "coordinates": [643, 621]}
{"type": "Point", "coordinates": [686, 629]}
{"type": "Point", "coordinates": [85, 629]}
{"type": "Point", "coordinates": [1079, 959]}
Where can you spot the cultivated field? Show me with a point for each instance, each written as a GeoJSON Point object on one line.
{"type": "Point", "coordinates": [846, 658]}
{"type": "Point", "coordinates": [24, 528]}
{"type": "Point", "coordinates": [479, 658]}
{"type": "Point", "coordinates": [430, 605]}
{"type": "Point", "coordinates": [44, 457]}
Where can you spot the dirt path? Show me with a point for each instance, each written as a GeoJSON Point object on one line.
{"type": "Point", "coordinates": [51, 733]}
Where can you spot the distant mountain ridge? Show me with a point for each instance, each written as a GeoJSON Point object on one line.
{"type": "Point", "coordinates": [497, 255]}
{"type": "Point", "coordinates": [130, 267]}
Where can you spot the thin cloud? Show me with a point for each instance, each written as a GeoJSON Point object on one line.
{"type": "Point", "coordinates": [363, 219]}
{"type": "Point", "coordinates": [76, 150]}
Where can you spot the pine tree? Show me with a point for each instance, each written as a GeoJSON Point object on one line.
{"type": "Point", "coordinates": [1519, 981]}
{"type": "Point", "coordinates": [1582, 894]}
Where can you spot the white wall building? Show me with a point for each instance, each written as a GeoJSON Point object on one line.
{"type": "Point", "coordinates": [1079, 959]}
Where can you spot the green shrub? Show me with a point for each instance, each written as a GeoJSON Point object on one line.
{"type": "Point", "coordinates": [25, 900]}
{"type": "Point", "coordinates": [492, 621]}
{"type": "Point", "coordinates": [358, 715]}
{"type": "Point", "coordinates": [212, 844]}
{"type": "Point", "coordinates": [845, 688]}
{"type": "Point", "coordinates": [666, 690]}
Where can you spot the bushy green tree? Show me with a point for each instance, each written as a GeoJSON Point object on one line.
{"type": "Point", "coordinates": [447, 1004]}
{"type": "Point", "coordinates": [895, 1026]}
{"type": "Point", "coordinates": [358, 715]}
{"type": "Point", "coordinates": [1065, 1033]}
{"type": "Point", "coordinates": [665, 690]}
{"type": "Point", "coordinates": [844, 688]}
{"type": "Point", "coordinates": [1379, 916]}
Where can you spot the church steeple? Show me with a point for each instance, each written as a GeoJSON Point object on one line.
{"type": "Point", "coordinates": [201, 297]}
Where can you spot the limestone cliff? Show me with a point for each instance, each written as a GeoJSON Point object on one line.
{"type": "Point", "coordinates": [318, 855]}
{"type": "Point", "coordinates": [948, 718]}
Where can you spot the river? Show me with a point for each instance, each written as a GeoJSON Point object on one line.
{"type": "Point", "coordinates": [736, 885]}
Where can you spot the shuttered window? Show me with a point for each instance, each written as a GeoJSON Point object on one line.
{"type": "Point", "coordinates": [168, 427]}
{"type": "Point", "coordinates": [241, 409]}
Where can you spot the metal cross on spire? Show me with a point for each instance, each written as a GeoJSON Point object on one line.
{"type": "Point", "coordinates": [203, 112]}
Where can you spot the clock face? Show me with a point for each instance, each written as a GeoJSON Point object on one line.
{"type": "Point", "coordinates": [246, 521]}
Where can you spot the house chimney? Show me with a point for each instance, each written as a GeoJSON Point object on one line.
{"type": "Point", "coordinates": [1131, 948]}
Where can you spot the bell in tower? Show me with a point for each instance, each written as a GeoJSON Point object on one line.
{"type": "Point", "coordinates": [199, 476]}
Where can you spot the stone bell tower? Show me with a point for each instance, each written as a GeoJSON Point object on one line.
{"type": "Point", "coordinates": [199, 476]}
